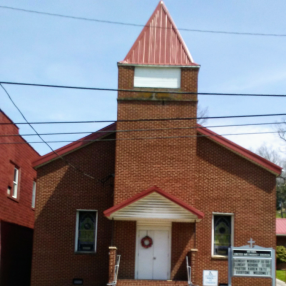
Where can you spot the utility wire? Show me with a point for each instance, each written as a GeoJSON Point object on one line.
{"type": "Point", "coordinates": [141, 90]}
{"type": "Point", "coordinates": [45, 142]}
{"type": "Point", "coordinates": [144, 138]}
{"type": "Point", "coordinates": [139, 25]}
{"type": "Point", "coordinates": [144, 130]}
{"type": "Point", "coordinates": [147, 119]}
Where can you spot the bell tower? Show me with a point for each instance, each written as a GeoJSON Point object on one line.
{"type": "Point", "coordinates": [156, 144]}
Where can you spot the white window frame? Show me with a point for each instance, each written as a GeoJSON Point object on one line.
{"type": "Point", "coordinates": [15, 183]}
{"type": "Point", "coordinates": [76, 230]}
{"type": "Point", "coordinates": [232, 232]}
{"type": "Point", "coordinates": [34, 194]}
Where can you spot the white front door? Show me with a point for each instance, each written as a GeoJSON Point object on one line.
{"type": "Point", "coordinates": [153, 262]}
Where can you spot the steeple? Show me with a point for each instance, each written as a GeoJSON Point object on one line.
{"type": "Point", "coordinates": [158, 65]}
{"type": "Point", "coordinates": [159, 43]}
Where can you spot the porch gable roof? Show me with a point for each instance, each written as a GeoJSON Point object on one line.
{"type": "Point", "coordinates": [154, 203]}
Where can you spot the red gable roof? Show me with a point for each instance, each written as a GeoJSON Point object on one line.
{"type": "Point", "coordinates": [3, 115]}
{"type": "Point", "coordinates": [143, 194]}
{"type": "Point", "coordinates": [281, 226]}
{"type": "Point", "coordinates": [254, 158]}
{"type": "Point", "coordinates": [74, 145]}
{"type": "Point", "coordinates": [240, 150]}
{"type": "Point", "coordinates": [160, 43]}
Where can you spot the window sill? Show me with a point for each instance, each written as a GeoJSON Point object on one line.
{"type": "Point", "coordinates": [13, 199]}
{"type": "Point", "coordinates": [85, 252]}
{"type": "Point", "coordinates": [220, 257]}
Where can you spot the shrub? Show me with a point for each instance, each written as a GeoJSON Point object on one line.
{"type": "Point", "coordinates": [280, 254]}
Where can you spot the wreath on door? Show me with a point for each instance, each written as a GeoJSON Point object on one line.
{"type": "Point", "coordinates": [146, 241]}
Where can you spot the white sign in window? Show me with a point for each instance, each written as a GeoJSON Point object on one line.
{"type": "Point", "coordinates": [157, 77]}
{"type": "Point", "coordinates": [210, 278]}
{"type": "Point", "coordinates": [15, 183]}
{"type": "Point", "coordinates": [34, 195]}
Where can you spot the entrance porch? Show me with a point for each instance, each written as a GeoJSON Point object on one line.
{"type": "Point", "coordinates": [153, 233]}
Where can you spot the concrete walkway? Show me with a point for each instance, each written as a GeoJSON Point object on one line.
{"type": "Point", "coordinates": [280, 283]}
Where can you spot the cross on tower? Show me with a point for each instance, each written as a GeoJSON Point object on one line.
{"type": "Point", "coordinates": [251, 242]}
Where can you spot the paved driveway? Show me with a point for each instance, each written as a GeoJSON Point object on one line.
{"type": "Point", "coordinates": [280, 283]}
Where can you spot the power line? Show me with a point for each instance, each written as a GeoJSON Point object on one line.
{"type": "Point", "coordinates": [140, 25]}
{"type": "Point", "coordinates": [147, 119]}
{"type": "Point", "coordinates": [45, 142]}
{"type": "Point", "coordinates": [141, 91]}
{"type": "Point", "coordinates": [144, 130]}
{"type": "Point", "coordinates": [144, 138]}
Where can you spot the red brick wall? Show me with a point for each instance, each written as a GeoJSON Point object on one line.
{"type": "Point", "coordinates": [61, 191]}
{"type": "Point", "coordinates": [16, 211]}
{"type": "Point", "coordinates": [167, 163]}
{"type": "Point", "coordinates": [162, 162]}
{"type": "Point", "coordinates": [281, 240]}
{"type": "Point", "coordinates": [125, 240]}
{"type": "Point", "coordinates": [183, 240]}
{"type": "Point", "coordinates": [200, 172]}
{"type": "Point", "coordinates": [228, 183]}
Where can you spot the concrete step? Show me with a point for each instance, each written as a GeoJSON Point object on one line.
{"type": "Point", "coordinates": [131, 282]}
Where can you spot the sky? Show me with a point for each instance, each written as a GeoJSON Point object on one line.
{"type": "Point", "coordinates": [51, 50]}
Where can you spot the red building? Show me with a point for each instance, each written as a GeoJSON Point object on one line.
{"type": "Point", "coordinates": [178, 189]}
{"type": "Point", "coordinates": [281, 232]}
{"type": "Point", "coordinates": [17, 194]}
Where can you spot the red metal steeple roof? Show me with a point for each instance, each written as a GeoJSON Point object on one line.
{"type": "Point", "coordinates": [160, 43]}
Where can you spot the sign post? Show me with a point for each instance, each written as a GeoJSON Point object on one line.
{"type": "Point", "coordinates": [251, 261]}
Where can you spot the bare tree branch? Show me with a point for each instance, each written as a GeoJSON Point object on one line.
{"type": "Point", "coordinates": [281, 129]}
{"type": "Point", "coordinates": [202, 112]}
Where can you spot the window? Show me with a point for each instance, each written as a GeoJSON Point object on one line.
{"type": "Point", "coordinates": [222, 234]}
{"type": "Point", "coordinates": [86, 231]}
{"type": "Point", "coordinates": [34, 195]}
{"type": "Point", "coordinates": [15, 183]}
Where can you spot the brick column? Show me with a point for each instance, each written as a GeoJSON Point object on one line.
{"type": "Point", "coordinates": [194, 257]}
{"type": "Point", "coordinates": [112, 261]}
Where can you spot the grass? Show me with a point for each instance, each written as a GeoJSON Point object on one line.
{"type": "Point", "coordinates": [278, 214]}
{"type": "Point", "coordinates": [281, 275]}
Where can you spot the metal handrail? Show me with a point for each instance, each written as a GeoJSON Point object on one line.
{"type": "Point", "coordinates": [116, 270]}
{"type": "Point", "coordinates": [189, 273]}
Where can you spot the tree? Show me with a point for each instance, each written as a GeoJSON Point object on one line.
{"type": "Point", "coordinates": [274, 157]}
{"type": "Point", "coordinates": [269, 154]}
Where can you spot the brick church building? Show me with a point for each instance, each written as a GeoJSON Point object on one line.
{"type": "Point", "coordinates": [17, 203]}
{"type": "Point", "coordinates": [159, 188]}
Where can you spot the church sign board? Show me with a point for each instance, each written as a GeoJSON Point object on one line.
{"type": "Point", "coordinates": [251, 261]}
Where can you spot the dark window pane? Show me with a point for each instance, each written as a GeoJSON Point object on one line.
{"type": "Point", "coordinates": [222, 234]}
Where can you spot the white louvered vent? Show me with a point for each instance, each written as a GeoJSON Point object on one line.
{"type": "Point", "coordinates": [154, 206]}
{"type": "Point", "coordinates": [157, 77]}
